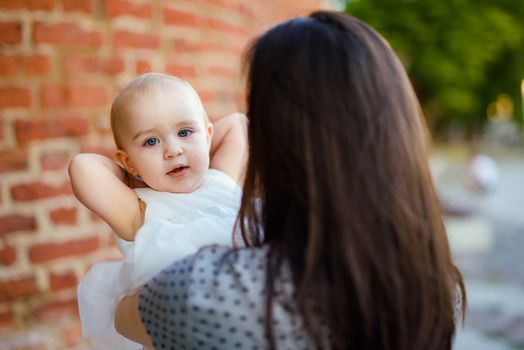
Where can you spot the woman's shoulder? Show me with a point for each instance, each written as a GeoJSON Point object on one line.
{"type": "Point", "coordinates": [231, 254]}
{"type": "Point", "coordinates": [216, 274]}
{"type": "Point", "coordinates": [216, 286]}
{"type": "Point", "coordinates": [216, 261]}
{"type": "Point", "coordinates": [225, 263]}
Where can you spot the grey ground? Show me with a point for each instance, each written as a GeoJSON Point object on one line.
{"type": "Point", "coordinates": [486, 233]}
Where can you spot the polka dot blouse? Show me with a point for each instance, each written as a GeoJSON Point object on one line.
{"type": "Point", "coordinates": [216, 300]}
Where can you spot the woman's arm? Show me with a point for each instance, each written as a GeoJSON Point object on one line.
{"type": "Point", "coordinates": [128, 322]}
{"type": "Point", "coordinates": [229, 149]}
{"type": "Point", "coordinates": [97, 182]}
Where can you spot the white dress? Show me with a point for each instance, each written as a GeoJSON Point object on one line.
{"type": "Point", "coordinates": [175, 226]}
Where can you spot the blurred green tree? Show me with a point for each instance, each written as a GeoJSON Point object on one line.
{"type": "Point", "coordinates": [459, 54]}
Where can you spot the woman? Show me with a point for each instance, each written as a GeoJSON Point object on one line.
{"type": "Point", "coordinates": [345, 244]}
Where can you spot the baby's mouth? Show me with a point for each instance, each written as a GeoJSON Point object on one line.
{"type": "Point", "coordinates": [178, 171]}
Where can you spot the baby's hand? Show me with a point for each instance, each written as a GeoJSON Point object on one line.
{"type": "Point", "coordinates": [229, 148]}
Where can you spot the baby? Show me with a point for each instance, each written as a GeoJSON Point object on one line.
{"type": "Point", "coordinates": [191, 172]}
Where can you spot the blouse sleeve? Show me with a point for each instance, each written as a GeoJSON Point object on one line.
{"type": "Point", "coordinates": [179, 306]}
{"type": "Point", "coordinates": [161, 305]}
{"type": "Point", "coordinates": [216, 300]}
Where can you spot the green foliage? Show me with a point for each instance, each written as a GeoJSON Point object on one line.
{"type": "Point", "coordinates": [459, 54]}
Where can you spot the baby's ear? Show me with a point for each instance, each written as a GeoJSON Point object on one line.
{"type": "Point", "coordinates": [209, 130]}
{"type": "Point", "coordinates": [123, 160]}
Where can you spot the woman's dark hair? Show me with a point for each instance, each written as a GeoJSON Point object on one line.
{"type": "Point", "coordinates": [338, 157]}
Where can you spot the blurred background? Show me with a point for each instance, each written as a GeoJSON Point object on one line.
{"type": "Point", "coordinates": [63, 61]}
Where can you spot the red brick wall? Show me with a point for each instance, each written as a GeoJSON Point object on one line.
{"type": "Point", "coordinates": [61, 64]}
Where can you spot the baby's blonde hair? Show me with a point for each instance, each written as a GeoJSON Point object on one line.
{"type": "Point", "coordinates": [144, 83]}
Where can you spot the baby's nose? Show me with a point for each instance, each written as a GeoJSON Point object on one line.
{"type": "Point", "coordinates": [172, 149]}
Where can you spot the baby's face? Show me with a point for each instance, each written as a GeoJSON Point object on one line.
{"type": "Point", "coordinates": [166, 140]}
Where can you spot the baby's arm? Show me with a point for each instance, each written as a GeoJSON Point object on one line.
{"type": "Point", "coordinates": [98, 184]}
{"type": "Point", "coordinates": [229, 149]}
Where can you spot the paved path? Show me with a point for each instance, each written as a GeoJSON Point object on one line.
{"type": "Point", "coordinates": [488, 246]}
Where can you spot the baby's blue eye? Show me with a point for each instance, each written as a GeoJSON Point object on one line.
{"type": "Point", "coordinates": [184, 133]}
{"type": "Point", "coordinates": [151, 141]}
